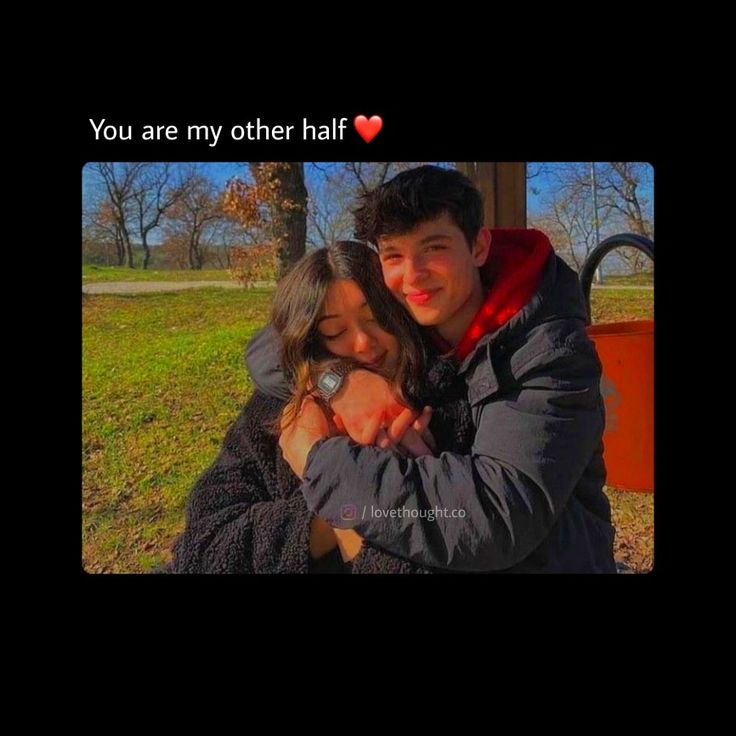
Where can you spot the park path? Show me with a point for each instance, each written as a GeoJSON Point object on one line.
{"type": "Point", "coordinates": [142, 287]}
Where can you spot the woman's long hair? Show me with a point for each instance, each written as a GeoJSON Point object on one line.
{"type": "Point", "coordinates": [297, 306]}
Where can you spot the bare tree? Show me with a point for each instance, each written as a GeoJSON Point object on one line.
{"type": "Point", "coordinates": [154, 192]}
{"type": "Point", "coordinates": [102, 233]}
{"type": "Point", "coordinates": [534, 170]}
{"type": "Point", "coordinates": [331, 196]}
{"type": "Point", "coordinates": [568, 208]}
{"type": "Point", "coordinates": [369, 175]}
{"type": "Point", "coordinates": [334, 191]}
{"type": "Point", "coordinates": [120, 181]}
{"type": "Point", "coordinates": [620, 186]}
{"type": "Point", "coordinates": [568, 221]}
{"type": "Point", "coordinates": [228, 233]}
{"type": "Point", "coordinates": [189, 225]}
{"type": "Point", "coordinates": [95, 249]}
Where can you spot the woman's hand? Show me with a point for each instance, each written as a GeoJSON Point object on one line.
{"type": "Point", "coordinates": [322, 538]}
{"type": "Point", "coordinates": [349, 543]}
{"type": "Point", "coordinates": [298, 438]}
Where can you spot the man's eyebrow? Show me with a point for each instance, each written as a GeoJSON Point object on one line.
{"type": "Point", "coordinates": [334, 316]}
{"type": "Point", "coordinates": [435, 236]}
{"type": "Point", "coordinates": [387, 248]}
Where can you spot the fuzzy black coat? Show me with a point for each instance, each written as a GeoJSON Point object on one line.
{"type": "Point", "coordinates": [246, 513]}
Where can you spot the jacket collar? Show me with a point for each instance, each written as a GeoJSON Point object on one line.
{"type": "Point", "coordinates": [512, 274]}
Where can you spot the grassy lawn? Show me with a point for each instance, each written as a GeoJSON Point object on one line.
{"type": "Point", "coordinates": [621, 305]}
{"type": "Point", "coordinates": [93, 274]}
{"type": "Point", "coordinates": [637, 279]}
{"type": "Point", "coordinates": [163, 378]}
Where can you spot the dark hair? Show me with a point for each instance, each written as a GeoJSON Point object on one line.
{"type": "Point", "coordinates": [415, 196]}
{"type": "Point", "coordinates": [297, 306]}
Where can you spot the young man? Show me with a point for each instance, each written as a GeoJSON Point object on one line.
{"type": "Point", "coordinates": [509, 314]}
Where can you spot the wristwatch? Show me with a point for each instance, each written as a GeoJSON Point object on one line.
{"type": "Point", "coordinates": [330, 380]}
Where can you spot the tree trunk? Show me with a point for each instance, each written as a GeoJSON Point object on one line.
{"type": "Point", "coordinates": [129, 253]}
{"type": "Point", "coordinates": [120, 248]}
{"type": "Point", "coordinates": [192, 265]}
{"type": "Point", "coordinates": [290, 221]}
{"type": "Point", "coordinates": [195, 250]}
{"type": "Point", "coordinates": [146, 251]}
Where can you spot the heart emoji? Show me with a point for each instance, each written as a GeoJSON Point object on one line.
{"type": "Point", "coordinates": [368, 129]}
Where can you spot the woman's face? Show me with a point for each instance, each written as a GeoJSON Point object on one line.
{"type": "Point", "coordinates": [349, 330]}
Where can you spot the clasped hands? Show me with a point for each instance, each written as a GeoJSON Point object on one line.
{"type": "Point", "coordinates": [367, 411]}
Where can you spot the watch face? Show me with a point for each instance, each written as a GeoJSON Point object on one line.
{"type": "Point", "coordinates": [328, 384]}
{"type": "Point", "coordinates": [329, 381]}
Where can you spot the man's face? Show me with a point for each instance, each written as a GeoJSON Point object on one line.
{"type": "Point", "coordinates": [434, 273]}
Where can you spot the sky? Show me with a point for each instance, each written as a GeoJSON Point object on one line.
{"type": "Point", "coordinates": [219, 173]}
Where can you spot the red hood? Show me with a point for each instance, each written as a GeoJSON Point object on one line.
{"type": "Point", "coordinates": [513, 270]}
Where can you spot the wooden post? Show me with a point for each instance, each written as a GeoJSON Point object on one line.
{"type": "Point", "coordinates": [503, 186]}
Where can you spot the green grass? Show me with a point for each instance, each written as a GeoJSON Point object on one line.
{"type": "Point", "coordinates": [163, 378]}
{"type": "Point", "coordinates": [621, 305]}
{"type": "Point", "coordinates": [94, 274]}
{"type": "Point", "coordinates": [637, 279]}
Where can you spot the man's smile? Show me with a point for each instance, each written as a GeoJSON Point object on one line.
{"type": "Point", "coordinates": [421, 297]}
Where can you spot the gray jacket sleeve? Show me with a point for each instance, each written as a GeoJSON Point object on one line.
{"type": "Point", "coordinates": [263, 362]}
{"type": "Point", "coordinates": [487, 510]}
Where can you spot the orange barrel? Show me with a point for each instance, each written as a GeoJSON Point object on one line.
{"type": "Point", "coordinates": [626, 350]}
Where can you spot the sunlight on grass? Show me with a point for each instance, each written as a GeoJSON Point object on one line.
{"type": "Point", "coordinates": [96, 274]}
{"type": "Point", "coordinates": [163, 377]}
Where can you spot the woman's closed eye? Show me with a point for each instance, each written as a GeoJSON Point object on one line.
{"type": "Point", "coordinates": [332, 337]}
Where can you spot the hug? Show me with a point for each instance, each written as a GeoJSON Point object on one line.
{"type": "Point", "coordinates": [435, 364]}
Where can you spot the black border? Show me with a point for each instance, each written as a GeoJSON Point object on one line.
{"type": "Point", "coordinates": [409, 133]}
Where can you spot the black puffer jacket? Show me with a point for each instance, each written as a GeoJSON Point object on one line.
{"type": "Point", "coordinates": [530, 489]}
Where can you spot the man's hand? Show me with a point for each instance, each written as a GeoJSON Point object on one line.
{"type": "Point", "coordinates": [366, 409]}
{"type": "Point", "coordinates": [299, 437]}
{"type": "Point", "coordinates": [409, 435]}
{"type": "Point", "coordinates": [363, 404]}
{"type": "Point", "coordinates": [349, 543]}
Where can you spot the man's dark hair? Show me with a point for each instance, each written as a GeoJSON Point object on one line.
{"type": "Point", "coordinates": [416, 196]}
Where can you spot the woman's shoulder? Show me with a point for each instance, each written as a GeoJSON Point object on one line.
{"type": "Point", "coordinates": [256, 420]}
{"type": "Point", "coordinates": [260, 410]}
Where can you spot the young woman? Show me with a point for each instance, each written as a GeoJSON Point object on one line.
{"type": "Point", "coordinates": [246, 513]}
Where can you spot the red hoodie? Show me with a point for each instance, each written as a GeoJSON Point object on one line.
{"type": "Point", "coordinates": [513, 271]}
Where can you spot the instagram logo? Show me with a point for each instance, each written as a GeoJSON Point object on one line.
{"type": "Point", "coordinates": [349, 512]}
